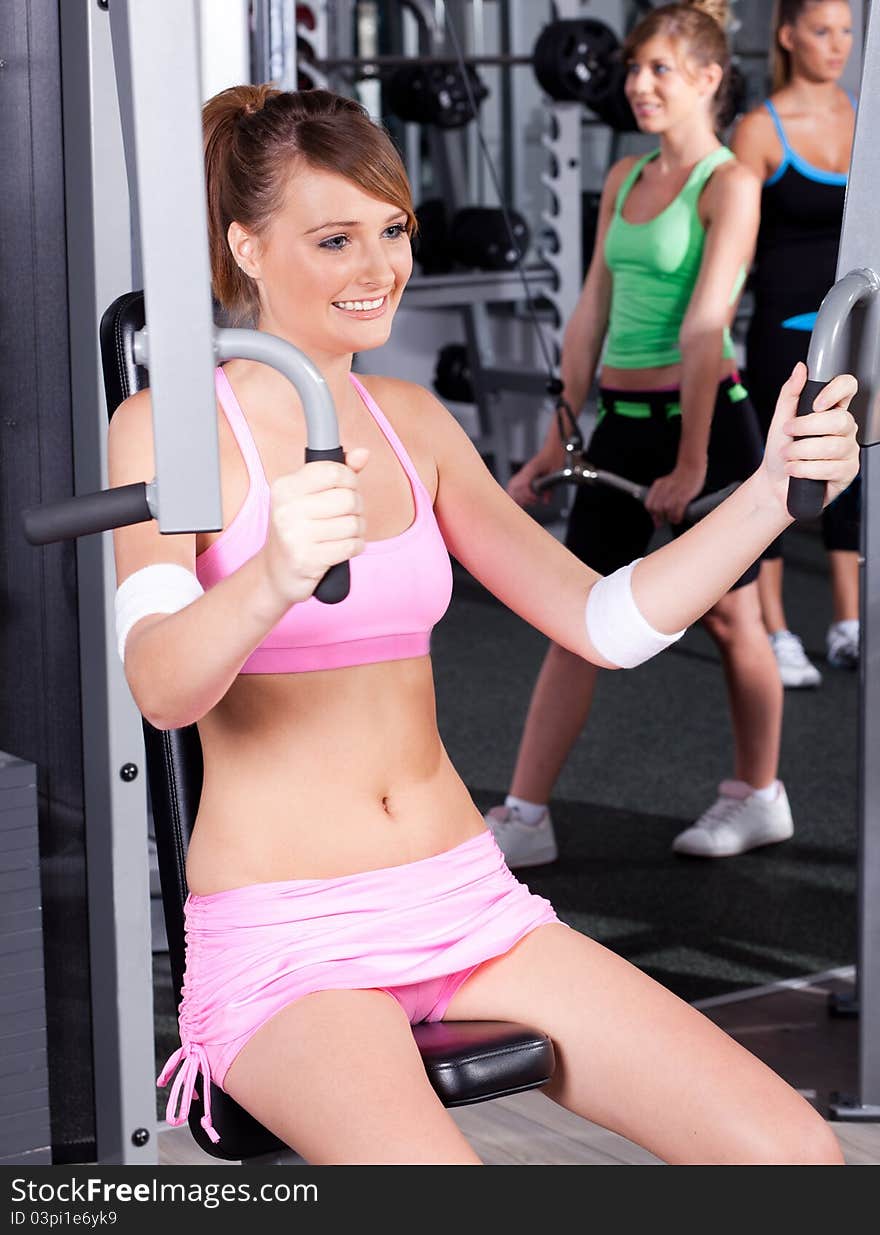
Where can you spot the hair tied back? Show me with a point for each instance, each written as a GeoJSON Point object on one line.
{"type": "Point", "coordinates": [718, 10]}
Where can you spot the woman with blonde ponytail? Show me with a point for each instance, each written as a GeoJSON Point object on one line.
{"type": "Point", "coordinates": [676, 233]}
{"type": "Point", "coordinates": [342, 884]}
{"type": "Point", "coordinates": [799, 143]}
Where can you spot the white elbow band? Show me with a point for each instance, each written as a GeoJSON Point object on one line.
{"type": "Point", "coordinates": [615, 625]}
{"type": "Point", "coordinates": [162, 588]}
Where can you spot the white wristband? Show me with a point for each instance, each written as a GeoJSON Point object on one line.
{"type": "Point", "coordinates": [616, 627]}
{"type": "Point", "coordinates": [164, 587]}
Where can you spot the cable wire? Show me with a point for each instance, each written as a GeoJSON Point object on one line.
{"type": "Point", "coordinates": [562, 408]}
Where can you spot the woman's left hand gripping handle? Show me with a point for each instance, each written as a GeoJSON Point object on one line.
{"type": "Point", "coordinates": [812, 439]}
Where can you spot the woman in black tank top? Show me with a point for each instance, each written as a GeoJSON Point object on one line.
{"type": "Point", "coordinates": [799, 143]}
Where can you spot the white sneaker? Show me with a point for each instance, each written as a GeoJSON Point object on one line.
{"type": "Point", "coordinates": [794, 667]}
{"type": "Point", "coordinates": [523, 844]}
{"type": "Point", "coordinates": [842, 644]}
{"type": "Point", "coordinates": [739, 820]}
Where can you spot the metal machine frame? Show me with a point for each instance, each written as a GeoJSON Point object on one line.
{"type": "Point", "coordinates": [860, 253]}
{"type": "Point", "coordinates": [103, 263]}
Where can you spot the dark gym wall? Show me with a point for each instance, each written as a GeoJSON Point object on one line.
{"type": "Point", "coordinates": [39, 660]}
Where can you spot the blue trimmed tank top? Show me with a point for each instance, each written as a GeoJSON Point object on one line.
{"type": "Point", "coordinates": [799, 236]}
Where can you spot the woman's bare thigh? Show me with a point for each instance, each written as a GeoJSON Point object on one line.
{"type": "Point", "coordinates": [338, 1077]}
{"type": "Point", "coordinates": [635, 1058]}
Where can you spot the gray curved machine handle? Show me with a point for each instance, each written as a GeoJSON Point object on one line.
{"type": "Point", "coordinates": [828, 355]}
{"type": "Point", "coordinates": [128, 504]}
{"type": "Point", "coordinates": [322, 430]}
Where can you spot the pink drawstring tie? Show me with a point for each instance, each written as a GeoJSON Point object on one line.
{"type": "Point", "coordinates": [193, 1060]}
{"type": "Point", "coordinates": [415, 931]}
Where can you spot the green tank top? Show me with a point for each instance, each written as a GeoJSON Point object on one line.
{"type": "Point", "coordinates": [654, 268]}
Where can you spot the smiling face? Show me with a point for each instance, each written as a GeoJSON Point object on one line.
{"type": "Point", "coordinates": [665, 88]}
{"type": "Point", "coordinates": [820, 41]}
{"type": "Point", "coordinates": [330, 267]}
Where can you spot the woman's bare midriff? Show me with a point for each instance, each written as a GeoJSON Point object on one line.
{"type": "Point", "coordinates": [658, 378]}
{"type": "Point", "coordinates": [316, 775]}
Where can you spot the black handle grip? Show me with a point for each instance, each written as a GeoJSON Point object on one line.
{"type": "Point", "coordinates": [336, 583]}
{"type": "Point", "coordinates": [92, 512]}
{"type": "Point", "coordinates": [806, 497]}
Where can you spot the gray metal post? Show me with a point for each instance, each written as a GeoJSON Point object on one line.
{"type": "Point", "coordinates": [860, 247]}
{"type": "Point", "coordinates": [99, 269]}
{"type": "Point", "coordinates": [182, 347]}
{"type": "Point", "coordinates": [562, 216]}
{"type": "Point", "coordinates": [866, 1104]}
{"type": "Point", "coordinates": [156, 48]}
{"type": "Point", "coordinates": [273, 56]}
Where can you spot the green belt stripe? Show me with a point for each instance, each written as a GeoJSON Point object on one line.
{"type": "Point", "coordinates": [639, 409]}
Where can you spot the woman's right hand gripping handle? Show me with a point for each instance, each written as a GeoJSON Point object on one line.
{"type": "Point", "coordinates": [315, 522]}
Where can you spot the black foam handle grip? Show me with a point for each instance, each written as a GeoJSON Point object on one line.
{"type": "Point", "coordinates": [91, 512]}
{"type": "Point", "coordinates": [337, 581]}
{"type": "Point", "coordinates": [806, 497]}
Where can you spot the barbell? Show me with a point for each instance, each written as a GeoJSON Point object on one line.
{"type": "Point", "coordinates": [435, 92]}
{"type": "Point", "coordinates": [575, 60]}
{"type": "Point", "coordinates": [578, 470]}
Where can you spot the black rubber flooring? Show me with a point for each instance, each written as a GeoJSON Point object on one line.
{"type": "Point", "coordinates": [646, 765]}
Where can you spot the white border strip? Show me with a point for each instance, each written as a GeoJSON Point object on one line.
{"type": "Point", "coordinates": [845, 973]}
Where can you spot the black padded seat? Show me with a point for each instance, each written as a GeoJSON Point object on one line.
{"type": "Point", "coordinates": [473, 1061]}
{"type": "Point", "coordinates": [466, 1062]}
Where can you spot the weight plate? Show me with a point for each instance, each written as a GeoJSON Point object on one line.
{"type": "Point", "coordinates": [573, 60]}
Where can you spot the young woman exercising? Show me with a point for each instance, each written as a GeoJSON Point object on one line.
{"type": "Point", "coordinates": [342, 882]}
{"type": "Point", "coordinates": [799, 143]}
{"type": "Point", "coordinates": [676, 232]}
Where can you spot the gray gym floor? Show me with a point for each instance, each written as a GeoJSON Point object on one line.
{"type": "Point", "coordinates": [647, 763]}
{"type": "Point", "coordinates": [787, 1027]}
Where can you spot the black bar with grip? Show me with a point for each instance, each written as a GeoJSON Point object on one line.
{"type": "Point", "coordinates": [579, 470]}
{"type": "Point", "coordinates": [337, 581]}
{"type": "Point", "coordinates": [91, 512]}
{"type": "Point", "coordinates": [806, 497]}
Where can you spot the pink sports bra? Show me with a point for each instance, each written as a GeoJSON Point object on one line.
{"type": "Point", "coordinates": [400, 587]}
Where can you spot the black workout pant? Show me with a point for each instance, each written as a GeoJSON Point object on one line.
{"type": "Point", "coordinates": [607, 528]}
{"type": "Point", "coordinates": [772, 352]}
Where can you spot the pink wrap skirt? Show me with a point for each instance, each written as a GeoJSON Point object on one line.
{"type": "Point", "coordinates": [415, 931]}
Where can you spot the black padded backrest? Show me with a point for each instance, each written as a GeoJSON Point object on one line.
{"type": "Point", "coordinates": [122, 376]}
